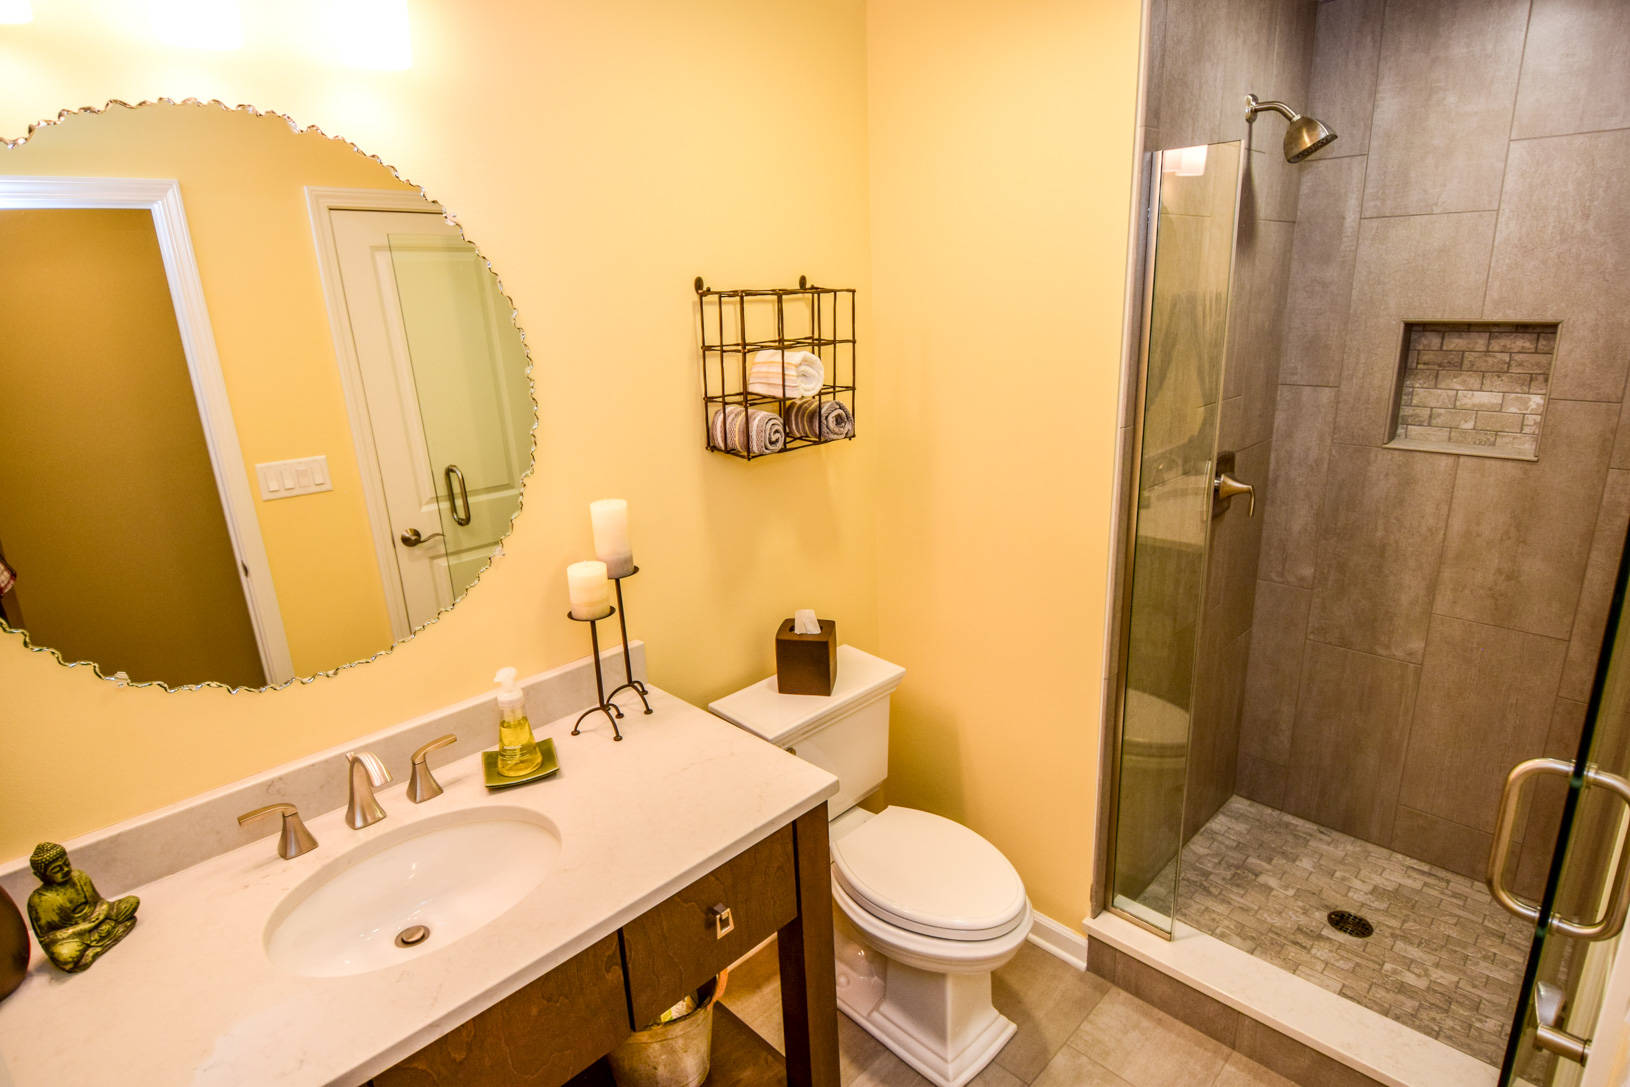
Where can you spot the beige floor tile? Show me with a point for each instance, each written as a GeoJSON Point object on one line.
{"type": "Point", "coordinates": [753, 992]}
{"type": "Point", "coordinates": [1147, 1047]}
{"type": "Point", "coordinates": [1241, 1071]}
{"type": "Point", "coordinates": [1047, 999]}
{"type": "Point", "coordinates": [1073, 1068]}
{"type": "Point", "coordinates": [994, 1075]}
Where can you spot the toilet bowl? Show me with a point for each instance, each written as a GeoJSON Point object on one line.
{"type": "Point", "coordinates": [926, 908]}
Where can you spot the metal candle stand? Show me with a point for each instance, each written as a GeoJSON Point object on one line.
{"type": "Point", "coordinates": [628, 664]}
{"type": "Point", "coordinates": [608, 708]}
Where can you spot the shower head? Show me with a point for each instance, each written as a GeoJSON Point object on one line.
{"type": "Point", "coordinates": [1305, 134]}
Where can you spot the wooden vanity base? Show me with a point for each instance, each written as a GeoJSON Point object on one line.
{"type": "Point", "coordinates": [557, 1029]}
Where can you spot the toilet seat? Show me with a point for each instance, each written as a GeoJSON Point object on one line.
{"type": "Point", "coordinates": [928, 875]}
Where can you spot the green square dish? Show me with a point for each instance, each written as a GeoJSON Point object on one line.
{"type": "Point", "coordinates": [495, 780]}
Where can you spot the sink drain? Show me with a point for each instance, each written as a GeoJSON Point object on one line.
{"type": "Point", "coordinates": [412, 936]}
{"type": "Point", "coordinates": [1350, 923]}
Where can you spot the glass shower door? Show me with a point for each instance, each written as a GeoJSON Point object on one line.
{"type": "Point", "coordinates": [1581, 914]}
{"type": "Point", "coordinates": [1194, 203]}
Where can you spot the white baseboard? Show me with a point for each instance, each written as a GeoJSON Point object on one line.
{"type": "Point", "coordinates": [1059, 940]}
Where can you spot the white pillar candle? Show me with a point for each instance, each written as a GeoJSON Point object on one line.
{"type": "Point", "coordinates": [610, 519]}
{"type": "Point", "coordinates": [589, 590]}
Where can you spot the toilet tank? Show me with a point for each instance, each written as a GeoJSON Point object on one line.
{"type": "Point", "coordinates": [845, 733]}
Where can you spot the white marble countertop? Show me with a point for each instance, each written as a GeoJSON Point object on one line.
{"type": "Point", "coordinates": [190, 996]}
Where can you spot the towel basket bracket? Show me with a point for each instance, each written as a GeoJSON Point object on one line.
{"type": "Point", "coordinates": [811, 330]}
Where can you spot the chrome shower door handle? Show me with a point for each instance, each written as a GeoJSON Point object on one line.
{"type": "Point", "coordinates": [1613, 913]}
{"type": "Point", "coordinates": [1548, 1032]}
{"type": "Point", "coordinates": [458, 496]}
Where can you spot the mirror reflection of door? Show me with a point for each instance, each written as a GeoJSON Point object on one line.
{"type": "Point", "coordinates": [441, 384]}
{"type": "Point", "coordinates": [100, 440]}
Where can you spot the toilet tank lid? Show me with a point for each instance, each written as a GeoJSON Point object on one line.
{"type": "Point", "coordinates": [783, 719]}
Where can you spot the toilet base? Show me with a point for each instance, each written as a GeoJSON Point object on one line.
{"type": "Point", "coordinates": [942, 1025]}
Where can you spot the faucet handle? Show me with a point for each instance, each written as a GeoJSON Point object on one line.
{"type": "Point", "coordinates": [294, 839]}
{"type": "Point", "coordinates": [423, 785]}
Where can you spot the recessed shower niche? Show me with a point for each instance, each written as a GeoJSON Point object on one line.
{"type": "Point", "coordinates": [1474, 388]}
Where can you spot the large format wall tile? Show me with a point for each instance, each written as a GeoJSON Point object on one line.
{"type": "Point", "coordinates": [1219, 687]}
{"type": "Point", "coordinates": [1428, 266]}
{"type": "Point", "coordinates": [1562, 253]}
{"type": "Point", "coordinates": [1278, 628]}
{"type": "Point", "coordinates": [1256, 330]}
{"type": "Point", "coordinates": [1382, 528]}
{"type": "Point", "coordinates": [1575, 69]}
{"type": "Point", "coordinates": [1213, 52]}
{"type": "Point", "coordinates": [1590, 621]}
{"type": "Point", "coordinates": [1486, 699]}
{"type": "Point", "coordinates": [1291, 501]}
{"type": "Point", "coordinates": [1321, 277]}
{"type": "Point", "coordinates": [1545, 797]}
{"type": "Point", "coordinates": [1442, 842]}
{"type": "Point", "coordinates": [1443, 102]}
{"type": "Point", "coordinates": [1520, 531]}
{"type": "Point", "coordinates": [1352, 722]}
{"type": "Point", "coordinates": [1346, 48]}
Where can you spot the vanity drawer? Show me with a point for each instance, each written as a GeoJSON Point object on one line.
{"type": "Point", "coordinates": [542, 1036]}
{"type": "Point", "coordinates": [672, 948]}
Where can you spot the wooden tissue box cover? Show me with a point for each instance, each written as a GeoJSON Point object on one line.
{"type": "Point", "coordinates": [806, 663]}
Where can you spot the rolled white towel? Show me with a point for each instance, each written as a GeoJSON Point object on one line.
{"type": "Point", "coordinates": [789, 374]}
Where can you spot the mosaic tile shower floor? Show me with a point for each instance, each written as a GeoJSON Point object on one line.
{"type": "Point", "coordinates": [1444, 959]}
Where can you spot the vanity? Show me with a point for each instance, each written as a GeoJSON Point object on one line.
{"type": "Point", "coordinates": [647, 866]}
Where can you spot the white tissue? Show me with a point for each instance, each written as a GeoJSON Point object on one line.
{"type": "Point", "coordinates": [804, 622]}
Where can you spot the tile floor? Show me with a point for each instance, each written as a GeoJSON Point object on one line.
{"type": "Point", "coordinates": [1075, 1030]}
{"type": "Point", "coordinates": [1444, 959]}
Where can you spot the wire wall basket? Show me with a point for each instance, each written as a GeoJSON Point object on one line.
{"type": "Point", "coordinates": [778, 367]}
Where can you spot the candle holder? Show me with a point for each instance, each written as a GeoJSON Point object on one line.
{"type": "Point", "coordinates": [608, 708]}
{"type": "Point", "coordinates": [628, 663]}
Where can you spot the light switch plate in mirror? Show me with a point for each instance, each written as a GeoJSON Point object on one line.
{"type": "Point", "coordinates": [284, 293]}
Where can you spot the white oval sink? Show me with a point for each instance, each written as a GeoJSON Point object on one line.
{"type": "Point", "coordinates": [451, 874]}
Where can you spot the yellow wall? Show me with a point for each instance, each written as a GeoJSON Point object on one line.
{"type": "Point", "coordinates": [1001, 171]}
{"type": "Point", "coordinates": [242, 183]}
{"type": "Point", "coordinates": [107, 498]}
{"type": "Point", "coordinates": [602, 155]}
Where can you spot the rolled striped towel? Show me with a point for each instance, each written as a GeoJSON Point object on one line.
{"type": "Point", "coordinates": [823, 420]}
{"type": "Point", "coordinates": [788, 374]}
{"type": "Point", "coordinates": [727, 429]}
{"type": "Point", "coordinates": [736, 429]}
{"type": "Point", "coordinates": [765, 432]}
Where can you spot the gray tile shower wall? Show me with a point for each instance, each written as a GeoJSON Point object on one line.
{"type": "Point", "coordinates": [1205, 56]}
{"type": "Point", "coordinates": [1424, 620]}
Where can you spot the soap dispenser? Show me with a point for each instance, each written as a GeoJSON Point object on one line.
{"type": "Point", "coordinates": [518, 753]}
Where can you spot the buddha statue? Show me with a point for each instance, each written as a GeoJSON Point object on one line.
{"type": "Point", "coordinates": [74, 924]}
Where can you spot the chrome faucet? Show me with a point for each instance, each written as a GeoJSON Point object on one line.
{"type": "Point", "coordinates": [367, 774]}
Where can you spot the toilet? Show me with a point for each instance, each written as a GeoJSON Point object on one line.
{"type": "Point", "coordinates": [926, 908]}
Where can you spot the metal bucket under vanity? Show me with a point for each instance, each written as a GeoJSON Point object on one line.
{"type": "Point", "coordinates": [677, 1053]}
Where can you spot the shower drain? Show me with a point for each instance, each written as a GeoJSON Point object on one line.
{"type": "Point", "coordinates": [1350, 923]}
{"type": "Point", "coordinates": [414, 935]}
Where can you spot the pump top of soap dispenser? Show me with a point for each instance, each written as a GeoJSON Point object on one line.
{"type": "Point", "coordinates": [510, 697]}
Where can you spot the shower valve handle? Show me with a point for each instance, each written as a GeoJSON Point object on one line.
{"type": "Point", "coordinates": [1226, 487]}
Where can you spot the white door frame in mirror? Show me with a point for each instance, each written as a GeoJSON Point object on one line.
{"type": "Point", "coordinates": [320, 202]}
{"type": "Point", "coordinates": [162, 198]}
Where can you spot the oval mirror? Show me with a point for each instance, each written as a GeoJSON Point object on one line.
{"type": "Point", "coordinates": [263, 410]}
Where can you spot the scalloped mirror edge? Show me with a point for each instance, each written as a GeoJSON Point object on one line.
{"type": "Point", "coordinates": [21, 634]}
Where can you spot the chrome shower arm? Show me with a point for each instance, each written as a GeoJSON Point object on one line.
{"type": "Point", "coordinates": [1254, 106]}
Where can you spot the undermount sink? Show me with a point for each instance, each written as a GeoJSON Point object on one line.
{"type": "Point", "coordinates": [411, 890]}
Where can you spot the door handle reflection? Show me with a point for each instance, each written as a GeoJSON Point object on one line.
{"type": "Point", "coordinates": [458, 497]}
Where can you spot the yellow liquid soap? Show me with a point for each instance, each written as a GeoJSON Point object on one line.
{"type": "Point", "coordinates": [518, 753]}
